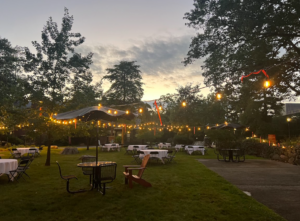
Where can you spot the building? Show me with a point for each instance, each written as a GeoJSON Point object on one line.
{"type": "Point", "coordinates": [291, 108]}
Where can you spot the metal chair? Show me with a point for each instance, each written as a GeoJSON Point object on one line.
{"type": "Point", "coordinates": [105, 174]}
{"type": "Point", "coordinates": [137, 157]}
{"type": "Point", "coordinates": [68, 178]}
{"type": "Point", "coordinates": [20, 171]}
{"type": "Point", "coordinates": [88, 170]}
{"type": "Point", "coordinates": [171, 156]}
{"type": "Point", "coordinates": [154, 156]}
{"type": "Point", "coordinates": [15, 154]}
{"type": "Point", "coordinates": [239, 154]}
{"type": "Point", "coordinates": [32, 152]}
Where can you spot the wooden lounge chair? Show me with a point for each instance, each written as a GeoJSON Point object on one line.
{"type": "Point", "coordinates": [136, 178]}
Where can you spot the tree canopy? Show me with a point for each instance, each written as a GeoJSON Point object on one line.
{"type": "Point", "coordinates": [14, 88]}
{"type": "Point", "coordinates": [126, 83]}
{"type": "Point", "coordinates": [238, 37]}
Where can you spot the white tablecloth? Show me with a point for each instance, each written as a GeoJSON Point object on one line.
{"type": "Point", "coordinates": [179, 146]}
{"type": "Point", "coordinates": [140, 147]}
{"type": "Point", "coordinates": [161, 145]}
{"type": "Point", "coordinates": [195, 148]}
{"type": "Point", "coordinates": [7, 165]}
{"type": "Point", "coordinates": [26, 150]}
{"type": "Point", "coordinates": [109, 146]}
{"type": "Point", "coordinates": [160, 155]}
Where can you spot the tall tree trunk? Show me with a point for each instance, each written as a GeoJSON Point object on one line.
{"type": "Point", "coordinates": [49, 150]}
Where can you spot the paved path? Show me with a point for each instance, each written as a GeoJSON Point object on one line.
{"type": "Point", "coordinates": [272, 183]}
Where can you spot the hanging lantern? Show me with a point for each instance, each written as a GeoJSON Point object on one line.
{"type": "Point", "coordinates": [160, 107]}
{"type": "Point", "coordinates": [199, 128]}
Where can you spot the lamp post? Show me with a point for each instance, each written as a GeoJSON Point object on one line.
{"type": "Point", "coordinates": [289, 120]}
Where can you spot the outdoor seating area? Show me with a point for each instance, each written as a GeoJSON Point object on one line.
{"type": "Point", "coordinates": [150, 110]}
{"type": "Point", "coordinates": [153, 174]}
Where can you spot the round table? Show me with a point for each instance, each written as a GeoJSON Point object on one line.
{"type": "Point", "coordinates": [7, 165]}
{"type": "Point", "coordinates": [162, 145]}
{"type": "Point", "coordinates": [26, 150]}
{"type": "Point", "coordinates": [137, 147]}
{"type": "Point", "coordinates": [190, 149]}
{"type": "Point", "coordinates": [100, 175]}
{"type": "Point", "coordinates": [161, 154]}
{"type": "Point", "coordinates": [111, 146]}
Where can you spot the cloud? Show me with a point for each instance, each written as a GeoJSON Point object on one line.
{"type": "Point", "coordinates": [160, 61]}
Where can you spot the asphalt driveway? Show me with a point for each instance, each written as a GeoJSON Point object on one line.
{"type": "Point", "coordinates": [272, 183]}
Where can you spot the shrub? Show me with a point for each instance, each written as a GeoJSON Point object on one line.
{"type": "Point", "coordinates": [118, 139]}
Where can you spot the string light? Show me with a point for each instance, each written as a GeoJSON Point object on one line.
{"type": "Point", "coordinates": [127, 112]}
{"type": "Point", "coordinates": [183, 103]}
{"type": "Point", "coordinates": [141, 110]}
{"type": "Point", "coordinates": [267, 84]}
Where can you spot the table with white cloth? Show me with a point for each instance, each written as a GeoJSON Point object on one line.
{"type": "Point", "coordinates": [161, 145]}
{"type": "Point", "coordinates": [112, 146]}
{"type": "Point", "coordinates": [137, 147]}
{"type": "Point", "coordinates": [191, 149]}
{"type": "Point", "coordinates": [26, 150]}
{"type": "Point", "coordinates": [179, 146]}
{"type": "Point", "coordinates": [161, 154]}
{"type": "Point", "coordinates": [7, 165]}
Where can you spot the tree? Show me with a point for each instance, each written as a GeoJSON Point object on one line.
{"type": "Point", "coordinates": [83, 93]}
{"type": "Point", "coordinates": [126, 83]}
{"type": "Point", "coordinates": [239, 37]}
{"type": "Point", "coordinates": [52, 69]}
{"type": "Point", "coordinates": [14, 88]}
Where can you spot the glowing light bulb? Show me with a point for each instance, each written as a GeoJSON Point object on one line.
{"type": "Point", "coordinates": [267, 84]}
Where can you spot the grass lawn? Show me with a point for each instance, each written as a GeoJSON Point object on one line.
{"type": "Point", "coordinates": [185, 190]}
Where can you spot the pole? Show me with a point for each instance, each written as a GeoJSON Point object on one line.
{"type": "Point", "coordinates": [97, 144]}
{"type": "Point", "coordinates": [289, 131]}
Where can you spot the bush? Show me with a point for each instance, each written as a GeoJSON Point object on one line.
{"type": "Point", "coordinates": [254, 147]}
{"type": "Point", "coordinates": [224, 139]}
{"type": "Point", "coordinates": [15, 140]}
{"type": "Point", "coordinates": [118, 140]}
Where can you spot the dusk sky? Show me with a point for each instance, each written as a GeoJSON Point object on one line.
{"type": "Point", "coordinates": [153, 33]}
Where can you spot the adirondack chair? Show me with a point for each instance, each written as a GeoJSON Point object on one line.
{"type": "Point", "coordinates": [136, 178]}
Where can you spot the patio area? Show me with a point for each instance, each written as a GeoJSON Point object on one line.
{"type": "Point", "coordinates": [272, 183]}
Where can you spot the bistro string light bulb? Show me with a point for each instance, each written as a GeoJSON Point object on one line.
{"type": "Point", "coordinates": [127, 112]}
{"type": "Point", "coordinates": [183, 103]}
{"type": "Point", "coordinates": [267, 84]}
{"type": "Point", "coordinates": [160, 107]}
{"type": "Point", "coordinates": [219, 96]}
{"type": "Point", "coordinates": [141, 110]}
